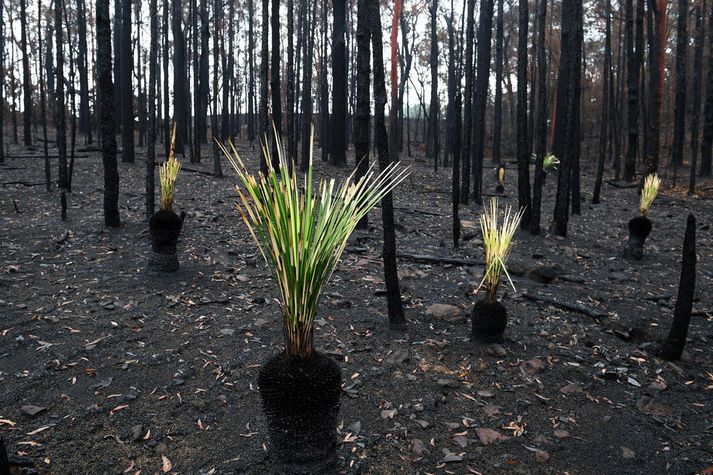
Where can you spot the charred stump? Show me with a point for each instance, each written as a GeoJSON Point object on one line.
{"type": "Point", "coordinates": [639, 230]}
{"type": "Point", "coordinates": [672, 348]}
{"type": "Point", "coordinates": [165, 227]}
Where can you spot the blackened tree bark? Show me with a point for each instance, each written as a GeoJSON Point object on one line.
{"type": "Point", "coordinates": [697, 79]}
{"type": "Point", "coordinates": [453, 119]}
{"type": "Point", "coordinates": [227, 64]}
{"type": "Point", "coordinates": [603, 127]}
{"type": "Point", "coordinates": [167, 122]}
{"type": "Point", "coordinates": [363, 103]}
{"type": "Point", "coordinates": [498, 114]}
{"type": "Point", "coordinates": [106, 114]}
{"type": "Point", "coordinates": [251, 71]}
{"type": "Point", "coordinates": [324, 87]}
{"type": "Point", "coordinates": [391, 277]}
{"type": "Point", "coordinates": [180, 79]}
{"type": "Point", "coordinates": [26, 78]}
{"type": "Point", "coordinates": [707, 142]}
{"type": "Point", "coordinates": [43, 100]}
{"type": "Point", "coordinates": [59, 96]}
{"type": "Point", "coordinates": [480, 100]}
{"type": "Point", "coordinates": [468, 106]}
{"type": "Point", "coordinates": [217, 15]}
{"type": "Point", "coordinates": [151, 139]}
{"type": "Point", "coordinates": [307, 129]}
{"type": "Point", "coordinates": [82, 64]}
{"type": "Point", "coordinates": [567, 134]}
{"type": "Point", "coordinates": [275, 87]}
{"type": "Point", "coordinates": [2, 89]}
{"type": "Point", "coordinates": [679, 109]}
{"type": "Point", "coordinates": [523, 159]}
{"type": "Point", "coordinates": [672, 347]}
{"type": "Point", "coordinates": [657, 60]}
{"type": "Point", "coordinates": [117, 62]}
{"type": "Point", "coordinates": [200, 80]}
{"type": "Point", "coordinates": [140, 78]}
{"type": "Point", "coordinates": [633, 66]}
{"type": "Point", "coordinates": [263, 121]}
{"type": "Point", "coordinates": [127, 93]}
{"type": "Point", "coordinates": [432, 149]}
{"type": "Point", "coordinates": [338, 130]}
{"type": "Point", "coordinates": [290, 86]}
{"type": "Point", "coordinates": [541, 132]}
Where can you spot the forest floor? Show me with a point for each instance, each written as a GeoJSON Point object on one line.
{"type": "Point", "coordinates": [108, 368]}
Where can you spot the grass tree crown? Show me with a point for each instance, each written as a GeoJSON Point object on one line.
{"type": "Point", "coordinates": [550, 162]}
{"type": "Point", "coordinates": [302, 233]}
{"type": "Point", "coordinates": [497, 239]}
{"type": "Point", "coordinates": [648, 193]}
{"type": "Point", "coordinates": [168, 172]}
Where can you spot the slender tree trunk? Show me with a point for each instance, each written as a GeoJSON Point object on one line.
{"type": "Point", "coordinates": [498, 114]}
{"type": "Point", "coordinates": [167, 122]}
{"type": "Point", "coordinates": [633, 67]}
{"type": "Point", "coordinates": [523, 159]}
{"type": "Point", "coordinates": [657, 60]}
{"type": "Point", "coordinates": [127, 93]}
{"type": "Point", "coordinates": [275, 85]}
{"type": "Point", "coordinates": [227, 62]}
{"type": "Point", "coordinates": [264, 124]}
{"type": "Point", "coordinates": [541, 133]}
{"type": "Point", "coordinates": [391, 278]}
{"type": "Point", "coordinates": [679, 110]}
{"type": "Point", "coordinates": [59, 96]}
{"type": "Point", "coordinates": [117, 62]}
{"type": "Point", "coordinates": [697, 78]}
{"type": "Point", "coordinates": [338, 129]}
{"type": "Point", "coordinates": [707, 141]}
{"type": "Point", "coordinates": [151, 139]}
{"type": "Point", "coordinates": [603, 127]}
{"type": "Point", "coordinates": [307, 127]}
{"type": "Point", "coordinates": [480, 100]}
{"type": "Point", "coordinates": [363, 101]}
{"type": "Point", "coordinates": [202, 82]}
{"type": "Point", "coordinates": [180, 79]}
{"type": "Point", "coordinates": [141, 78]}
{"type": "Point", "coordinates": [43, 101]}
{"type": "Point", "coordinates": [453, 128]}
{"type": "Point", "coordinates": [290, 86]}
{"type": "Point", "coordinates": [251, 71]}
{"type": "Point", "coordinates": [26, 78]}
{"type": "Point", "coordinates": [468, 99]}
{"type": "Point", "coordinates": [82, 64]}
{"type": "Point", "coordinates": [433, 146]}
{"type": "Point", "coordinates": [3, 101]}
{"type": "Point", "coordinates": [567, 135]}
{"type": "Point", "coordinates": [218, 16]}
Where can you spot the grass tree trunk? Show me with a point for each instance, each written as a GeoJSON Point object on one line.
{"type": "Point", "coordinates": [391, 277]}
{"type": "Point", "coordinates": [672, 347]}
{"type": "Point", "coordinates": [523, 160]}
{"type": "Point", "coordinates": [106, 115]}
{"type": "Point", "coordinates": [541, 133]}
{"type": "Point", "coordinates": [363, 101]}
{"type": "Point", "coordinates": [26, 78]}
{"type": "Point", "coordinates": [679, 110]}
{"type": "Point", "coordinates": [603, 127]}
{"type": "Point", "coordinates": [127, 92]}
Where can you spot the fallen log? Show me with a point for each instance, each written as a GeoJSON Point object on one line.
{"type": "Point", "coordinates": [575, 307]}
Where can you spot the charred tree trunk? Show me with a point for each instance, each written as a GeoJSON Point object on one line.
{"type": "Point", "coordinates": [275, 87]}
{"type": "Point", "coordinates": [117, 63]}
{"type": "Point", "coordinates": [397, 320]}
{"type": "Point", "coordinates": [468, 99]}
{"type": "Point", "coordinates": [498, 114]}
{"type": "Point", "coordinates": [251, 71]}
{"type": "Point", "coordinates": [217, 15]}
{"type": "Point", "coordinates": [657, 60]}
{"type": "Point", "coordinates": [106, 115]}
{"type": "Point", "coordinates": [338, 130]}
{"type": "Point", "coordinates": [227, 63]}
{"type": "Point", "coordinates": [707, 142]}
{"type": "Point", "coordinates": [59, 96]}
{"type": "Point", "coordinates": [523, 160]}
{"type": "Point", "coordinates": [541, 133]}
{"type": "Point", "coordinates": [633, 67]}
{"type": "Point", "coordinates": [672, 348]}
{"type": "Point", "coordinates": [453, 119]}
{"type": "Point", "coordinates": [180, 79]}
{"type": "Point", "coordinates": [26, 78]}
{"type": "Point", "coordinates": [679, 110]}
{"type": "Point", "coordinates": [127, 93]}
{"type": "Point", "coordinates": [480, 100]}
{"type": "Point", "coordinates": [43, 100]}
{"type": "Point", "coordinates": [2, 88]}
{"type": "Point", "coordinates": [433, 146]}
{"type": "Point", "coordinates": [697, 78]}
{"type": "Point", "coordinates": [363, 102]}
{"type": "Point", "coordinates": [82, 64]}
{"type": "Point", "coordinates": [603, 127]}
{"type": "Point", "coordinates": [290, 86]}
{"type": "Point", "coordinates": [167, 122]}
{"type": "Point", "coordinates": [567, 134]}
{"type": "Point", "coordinates": [151, 139]}
{"type": "Point", "coordinates": [202, 83]}
{"type": "Point", "coordinates": [264, 124]}
{"type": "Point", "coordinates": [307, 128]}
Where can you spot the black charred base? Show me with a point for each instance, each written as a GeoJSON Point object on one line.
{"type": "Point", "coordinates": [673, 346]}
{"type": "Point", "coordinates": [300, 398]}
{"type": "Point", "coordinates": [165, 227]}
{"type": "Point", "coordinates": [489, 321]}
{"type": "Point", "coordinates": [639, 230]}
{"type": "Point", "coordinates": [500, 189]}
{"type": "Point", "coordinates": [4, 463]}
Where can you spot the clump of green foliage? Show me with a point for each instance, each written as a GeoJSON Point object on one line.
{"type": "Point", "coordinates": [168, 172]}
{"type": "Point", "coordinates": [648, 193]}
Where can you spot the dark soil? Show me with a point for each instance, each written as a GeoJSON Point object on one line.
{"type": "Point", "coordinates": [108, 367]}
